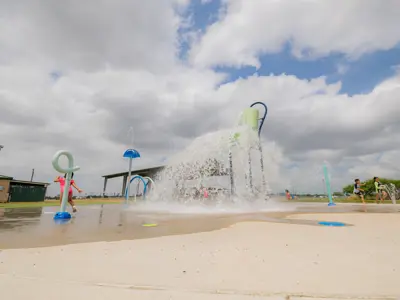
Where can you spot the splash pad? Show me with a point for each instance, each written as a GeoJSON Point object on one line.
{"type": "Point", "coordinates": [225, 166]}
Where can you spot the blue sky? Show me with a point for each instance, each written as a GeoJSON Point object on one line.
{"type": "Point", "coordinates": [360, 76]}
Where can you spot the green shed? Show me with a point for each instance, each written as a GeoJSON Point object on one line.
{"type": "Point", "coordinates": [27, 191]}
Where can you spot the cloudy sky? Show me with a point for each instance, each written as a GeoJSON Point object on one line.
{"type": "Point", "coordinates": [88, 75]}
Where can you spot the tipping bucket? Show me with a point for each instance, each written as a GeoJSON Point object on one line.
{"type": "Point", "coordinates": [250, 117]}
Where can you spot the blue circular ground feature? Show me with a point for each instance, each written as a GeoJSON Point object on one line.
{"type": "Point", "coordinates": [62, 215]}
{"type": "Point", "coordinates": [332, 224]}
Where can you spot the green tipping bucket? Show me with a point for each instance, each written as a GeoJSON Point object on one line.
{"type": "Point", "coordinates": [250, 117]}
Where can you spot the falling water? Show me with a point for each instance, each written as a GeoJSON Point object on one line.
{"type": "Point", "coordinates": [225, 163]}
{"type": "Point", "coordinates": [391, 190]}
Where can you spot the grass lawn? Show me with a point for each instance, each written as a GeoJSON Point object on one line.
{"type": "Point", "coordinates": [338, 200]}
{"type": "Point", "coordinates": [78, 202]}
{"type": "Point", "coordinates": [81, 202]}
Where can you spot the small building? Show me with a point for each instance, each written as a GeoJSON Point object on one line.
{"type": "Point", "coordinates": [4, 188]}
{"type": "Point", "coordinates": [12, 190]}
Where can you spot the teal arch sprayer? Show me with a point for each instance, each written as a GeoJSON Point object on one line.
{"type": "Point", "coordinates": [328, 185]}
{"type": "Point", "coordinates": [63, 214]}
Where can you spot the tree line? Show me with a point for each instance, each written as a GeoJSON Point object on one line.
{"type": "Point", "coordinates": [369, 186]}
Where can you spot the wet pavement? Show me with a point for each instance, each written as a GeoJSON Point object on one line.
{"type": "Point", "coordinates": [35, 227]}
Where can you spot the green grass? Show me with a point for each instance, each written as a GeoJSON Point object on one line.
{"type": "Point", "coordinates": [337, 200]}
{"type": "Point", "coordinates": [57, 203]}
{"type": "Point", "coordinates": [82, 202]}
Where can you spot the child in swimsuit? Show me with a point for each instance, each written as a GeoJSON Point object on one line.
{"type": "Point", "coordinates": [379, 190]}
{"type": "Point", "coordinates": [62, 181]}
{"type": "Point", "coordinates": [358, 190]}
{"type": "Point", "coordinates": [205, 193]}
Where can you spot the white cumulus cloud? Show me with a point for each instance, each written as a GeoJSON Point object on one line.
{"type": "Point", "coordinates": [312, 28]}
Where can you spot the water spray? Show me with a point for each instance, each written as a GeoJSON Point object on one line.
{"type": "Point", "coordinates": [264, 181]}
{"type": "Point", "coordinates": [391, 190]}
{"type": "Point", "coordinates": [250, 117]}
{"type": "Point", "coordinates": [220, 161]}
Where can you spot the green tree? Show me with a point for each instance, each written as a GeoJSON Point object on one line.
{"type": "Point", "coordinates": [369, 186]}
{"type": "Point", "coordinates": [338, 194]}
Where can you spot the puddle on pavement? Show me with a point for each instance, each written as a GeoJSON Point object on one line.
{"type": "Point", "coordinates": [34, 227]}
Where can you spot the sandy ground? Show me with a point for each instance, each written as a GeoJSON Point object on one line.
{"type": "Point", "coordinates": [252, 260]}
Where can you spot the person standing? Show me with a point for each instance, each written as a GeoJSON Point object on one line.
{"type": "Point", "coordinates": [381, 194]}
{"type": "Point", "coordinates": [62, 181]}
{"type": "Point", "coordinates": [358, 190]}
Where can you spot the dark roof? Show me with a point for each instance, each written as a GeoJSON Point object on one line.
{"type": "Point", "coordinates": [143, 171]}
{"type": "Point", "coordinates": [29, 182]}
{"type": "Point", "coordinates": [6, 177]}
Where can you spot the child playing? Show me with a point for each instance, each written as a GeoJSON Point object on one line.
{"type": "Point", "coordinates": [288, 196]}
{"type": "Point", "coordinates": [379, 190]}
{"type": "Point", "coordinates": [358, 190]}
{"type": "Point", "coordinates": [205, 193]}
{"type": "Point", "coordinates": [62, 181]}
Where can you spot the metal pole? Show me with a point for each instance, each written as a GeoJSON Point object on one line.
{"type": "Point", "coordinates": [129, 181]}
{"type": "Point", "coordinates": [105, 186]}
{"type": "Point", "coordinates": [264, 181]}
{"type": "Point", "coordinates": [231, 173]}
{"type": "Point", "coordinates": [137, 189]}
{"type": "Point", "coordinates": [65, 194]}
{"type": "Point", "coordinates": [33, 173]}
{"type": "Point", "coordinates": [124, 180]}
{"type": "Point", "coordinates": [250, 174]}
{"type": "Point", "coordinates": [263, 118]}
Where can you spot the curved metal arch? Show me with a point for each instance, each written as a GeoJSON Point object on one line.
{"type": "Point", "coordinates": [263, 118]}
{"type": "Point", "coordinates": [150, 180]}
{"type": "Point", "coordinates": [144, 184]}
{"type": "Point", "coordinates": [264, 182]}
